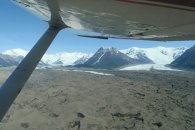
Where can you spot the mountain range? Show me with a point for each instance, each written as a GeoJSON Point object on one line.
{"type": "Point", "coordinates": [62, 58]}
{"type": "Point", "coordinates": [112, 58]}
{"type": "Point", "coordinates": [159, 55]}
{"type": "Point", "coordinates": [104, 57]}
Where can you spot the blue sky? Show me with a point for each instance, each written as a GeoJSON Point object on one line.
{"type": "Point", "coordinates": [21, 29]}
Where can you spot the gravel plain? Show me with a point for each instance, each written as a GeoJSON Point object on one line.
{"type": "Point", "coordinates": [57, 99]}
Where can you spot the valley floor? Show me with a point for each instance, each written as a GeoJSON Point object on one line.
{"type": "Point", "coordinates": [111, 100]}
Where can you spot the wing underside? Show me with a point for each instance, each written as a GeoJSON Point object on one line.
{"type": "Point", "coordinates": [159, 20]}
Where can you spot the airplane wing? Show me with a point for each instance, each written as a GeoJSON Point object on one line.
{"type": "Point", "coordinates": [161, 20]}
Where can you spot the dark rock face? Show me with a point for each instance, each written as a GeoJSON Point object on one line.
{"type": "Point", "coordinates": [82, 60]}
{"type": "Point", "coordinates": [6, 61]}
{"type": "Point", "coordinates": [58, 62]}
{"type": "Point", "coordinates": [111, 58]}
{"type": "Point", "coordinates": [143, 59]}
{"type": "Point", "coordinates": [187, 60]}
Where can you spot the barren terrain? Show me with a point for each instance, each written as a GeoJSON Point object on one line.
{"type": "Point", "coordinates": [126, 100]}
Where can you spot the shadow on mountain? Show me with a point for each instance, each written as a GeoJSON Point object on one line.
{"type": "Point", "coordinates": [186, 60]}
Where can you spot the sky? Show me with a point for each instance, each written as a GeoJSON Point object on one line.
{"type": "Point", "coordinates": [21, 29]}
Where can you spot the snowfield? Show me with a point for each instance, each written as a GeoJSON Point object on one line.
{"type": "Point", "coordinates": [159, 55]}
{"type": "Point", "coordinates": [93, 72]}
{"type": "Point", "coordinates": [149, 67]}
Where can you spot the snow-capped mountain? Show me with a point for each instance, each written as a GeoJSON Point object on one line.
{"type": "Point", "coordinates": [63, 58]}
{"type": "Point", "coordinates": [159, 55]}
{"type": "Point", "coordinates": [15, 52]}
{"type": "Point", "coordinates": [111, 58]}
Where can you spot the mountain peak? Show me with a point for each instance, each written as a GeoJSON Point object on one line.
{"type": "Point", "coordinates": [107, 49]}
{"type": "Point", "coordinates": [112, 58]}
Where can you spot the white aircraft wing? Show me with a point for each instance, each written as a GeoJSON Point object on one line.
{"type": "Point", "coordinates": [160, 20]}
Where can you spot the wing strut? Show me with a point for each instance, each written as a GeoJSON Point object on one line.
{"type": "Point", "coordinates": [14, 84]}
